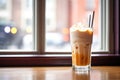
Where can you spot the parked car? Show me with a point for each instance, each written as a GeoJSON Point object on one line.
{"type": "Point", "coordinates": [8, 33]}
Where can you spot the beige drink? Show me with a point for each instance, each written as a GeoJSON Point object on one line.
{"type": "Point", "coordinates": [81, 40]}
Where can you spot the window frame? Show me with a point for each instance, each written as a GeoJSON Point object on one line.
{"type": "Point", "coordinates": [41, 58]}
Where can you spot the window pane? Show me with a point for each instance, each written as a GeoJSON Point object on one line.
{"type": "Point", "coordinates": [16, 22]}
{"type": "Point", "coordinates": [61, 15]}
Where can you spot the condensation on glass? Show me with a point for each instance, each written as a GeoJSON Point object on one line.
{"type": "Point", "coordinates": [61, 15]}
{"type": "Point", "coordinates": [16, 22]}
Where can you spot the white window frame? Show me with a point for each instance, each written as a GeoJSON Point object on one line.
{"type": "Point", "coordinates": [106, 42]}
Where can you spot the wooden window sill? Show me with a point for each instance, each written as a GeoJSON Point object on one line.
{"type": "Point", "coordinates": [55, 60]}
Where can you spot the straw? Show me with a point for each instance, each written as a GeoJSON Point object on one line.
{"type": "Point", "coordinates": [93, 13]}
{"type": "Point", "coordinates": [89, 20]}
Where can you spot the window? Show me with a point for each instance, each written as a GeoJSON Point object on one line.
{"type": "Point", "coordinates": [41, 58]}
{"type": "Point", "coordinates": [3, 4]}
{"type": "Point", "coordinates": [16, 22]}
{"type": "Point", "coordinates": [62, 14]}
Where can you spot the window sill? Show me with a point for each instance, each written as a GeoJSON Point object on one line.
{"type": "Point", "coordinates": [55, 60]}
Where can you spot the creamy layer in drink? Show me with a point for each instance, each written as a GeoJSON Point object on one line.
{"type": "Point", "coordinates": [81, 40]}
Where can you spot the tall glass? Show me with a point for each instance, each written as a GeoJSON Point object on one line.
{"type": "Point", "coordinates": [81, 40]}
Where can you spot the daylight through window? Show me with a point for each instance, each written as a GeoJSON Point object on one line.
{"type": "Point", "coordinates": [61, 15]}
{"type": "Point", "coordinates": [16, 22]}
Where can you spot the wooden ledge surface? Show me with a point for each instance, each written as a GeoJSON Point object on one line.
{"type": "Point", "coordinates": [59, 73]}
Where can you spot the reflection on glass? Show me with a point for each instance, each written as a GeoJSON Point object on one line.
{"type": "Point", "coordinates": [16, 22]}
{"type": "Point", "coordinates": [16, 74]}
{"type": "Point", "coordinates": [61, 15]}
{"type": "Point", "coordinates": [81, 75]}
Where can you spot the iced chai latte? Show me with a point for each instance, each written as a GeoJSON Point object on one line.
{"type": "Point", "coordinates": [81, 40]}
